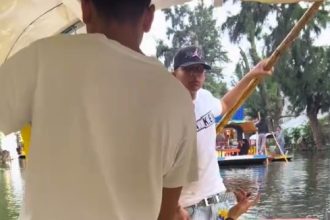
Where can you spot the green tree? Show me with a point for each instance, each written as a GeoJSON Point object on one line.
{"type": "Point", "coordinates": [305, 81]}
{"type": "Point", "coordinates": [303, 73]}
{"type": "Point", "coordinates": [195, 26]}
{"type": "Point", "coordinates": [250, 23]}
{"type": "Point", "coordinates": [255, 103]}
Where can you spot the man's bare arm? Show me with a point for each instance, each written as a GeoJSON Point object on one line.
{"type": "Point", "coordinates": [170, 201]}
{"type": "Point", "coordinates": [231, 96]}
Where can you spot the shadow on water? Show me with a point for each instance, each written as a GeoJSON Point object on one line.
{"type": "Point", "coordinates": [296, 189]}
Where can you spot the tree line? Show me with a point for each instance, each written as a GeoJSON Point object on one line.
{"type": "Point", "coordinates": [301, 77]}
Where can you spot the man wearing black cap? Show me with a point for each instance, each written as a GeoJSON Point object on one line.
{"type": "Point", "coordinates": [202, 199]}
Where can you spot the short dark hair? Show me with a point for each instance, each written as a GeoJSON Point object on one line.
{"type": "Point", "coordinates": [121, 11]}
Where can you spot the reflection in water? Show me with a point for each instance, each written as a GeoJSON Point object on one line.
{"type": "Point", "coordinates": [288, 190]}
{"type": "Point", "coordinates": [296, 189]}
{"type": "Point", "coordinates": [11, 189]}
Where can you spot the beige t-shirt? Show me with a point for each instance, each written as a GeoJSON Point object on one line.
{"type": "Point", "coordinates": [110, 129]}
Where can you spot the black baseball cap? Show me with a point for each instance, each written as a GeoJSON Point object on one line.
{"type": "Point", "coordinates": [190, 56]}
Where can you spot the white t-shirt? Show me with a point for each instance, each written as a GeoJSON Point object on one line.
{"type": "Point", "coordinates": [207, 107]}
{"type": "Point", "coordinates": [110, 129]}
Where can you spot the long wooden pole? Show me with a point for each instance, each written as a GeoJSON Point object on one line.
{"type": "Point", "coordinates": [286, 43]}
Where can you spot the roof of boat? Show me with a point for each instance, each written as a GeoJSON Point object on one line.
{"type": "Point", "coordinates": [22, 22]}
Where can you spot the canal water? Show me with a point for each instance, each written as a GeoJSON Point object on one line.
{"type": "Point", "coordinates": [300, 188]}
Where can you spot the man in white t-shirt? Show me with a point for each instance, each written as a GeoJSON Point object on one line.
{"type": "Point", "coordinates": [104, 143]}
{"type": "Point", "coordinates": [202, 199]}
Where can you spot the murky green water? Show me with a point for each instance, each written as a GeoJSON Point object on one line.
{"type": "Point", "coordinates": [11, 189]}
{"type": "Point", "coordinates": [298, 189]}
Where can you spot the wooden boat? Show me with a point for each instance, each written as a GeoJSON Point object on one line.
{"type": "Point", "coordinates": [242, 160]}
{"type": "Point", "coordinates": [274, 151]}
{"type": "Point", "coordinates": [229, 154]}
{"type": "Point", "coordinates": [278, 157]}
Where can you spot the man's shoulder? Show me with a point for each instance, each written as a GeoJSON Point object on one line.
{"type": "Point", "coordinates": [204, 92]}
{"type": "Point", "coordinates": [205, 95]}
{"type": "Point", "coordinates": [77, 42]}
{"type": "Point", "coordinates": [170, 95]}
{"type": "Point", "coordinates": [65, 40]}
{"type": "Point", "coordinates": [95, 45]}
{"type": "Point", "coordinates": [175, 90]}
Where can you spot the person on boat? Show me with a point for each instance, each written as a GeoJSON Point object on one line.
{"type": "Point", "coordinates": [201, 199]}
{"type": "Point", "coordinates": [98, 152]}
{"type": "Point", "coordinates": [261, 124]}
{"type": "Point", "coordinates": [279, 134]}
{"type": "Point", "coordinates": [221, 141]}
{"type": "Point", "coordinates": [243, 146]}
{"type": "Point", "coordinates": [4, 156]}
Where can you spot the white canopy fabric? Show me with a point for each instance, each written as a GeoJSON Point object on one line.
{"type": "Point", "coordinates": [24, 21]}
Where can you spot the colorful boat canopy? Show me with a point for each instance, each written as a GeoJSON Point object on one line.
{"type": "Point", "coordinates": [248, 127]}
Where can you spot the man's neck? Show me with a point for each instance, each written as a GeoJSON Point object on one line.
{"type": "Point", "coordinates": [122, 33]}
{"type": "Point", "coordinates": [126, 39]}
{"type": "Point", "coordinates": [193, 95]}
